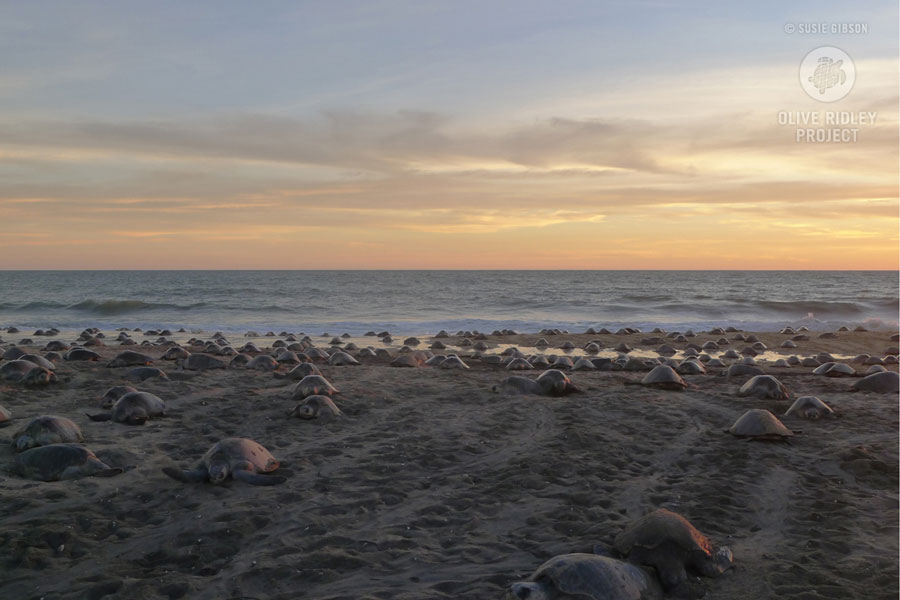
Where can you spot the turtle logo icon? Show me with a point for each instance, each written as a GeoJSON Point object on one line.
{"type": "Point", "coordinates": [827, 74]}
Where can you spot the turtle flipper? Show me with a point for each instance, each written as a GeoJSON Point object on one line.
{"type": "Point", "coordinates": [195, 476]}
{"type": "Point", "coordinates": [257, 479]}
{"type": "Point", "coordinates": [109, 472]}
{"type": "Point", "coordinates": [103, 417]}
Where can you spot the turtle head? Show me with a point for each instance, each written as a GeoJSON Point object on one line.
{"type": "Point", "coordinates": [218, 469]}
{"type": "Point", "coordinates": [138, 416]}
{"type": "Point", "coordinates": [24, 443]}
{"type": "Point", "coordinates": [39, 376]}
{"type": "Point", "coordinates": [722, 560]}
{"type": "Point", "coordinates": [305, 411]}
{"type": "Point", "coordinates": [811, 413]}
{"type": "Point", "coordinates": [527, 590]}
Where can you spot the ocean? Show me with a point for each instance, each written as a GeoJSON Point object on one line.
{"type": "Point", "coordinates": [422, 302]}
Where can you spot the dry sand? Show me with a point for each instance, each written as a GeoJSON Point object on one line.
{"type": "Point", "coordinates": [431, 486]}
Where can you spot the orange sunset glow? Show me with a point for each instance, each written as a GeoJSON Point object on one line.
{"type": "Point", "coordinates": [613, 159]}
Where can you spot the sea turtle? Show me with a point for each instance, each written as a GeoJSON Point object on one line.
{"type": "Point", "coordinates": [809, 407]}
{"type": "Point", "coordinates": [669, 543]}
{"type": "Point", "coordinates": [200, 362]}
{"type": "Point", "coordinates": [44, 430]}
{"type": "Point", "coordinates": [129, 358]}
{"type": "Point", "coordinates": [563, 362]}
{"type": "Point", "coordinates": [139, 374]}
{"type": "Point", "coordinates": [316, 406]}
{"type": "Point", "coordinates": [453, 362]}
{"type": "Point", "coordinates": [263, 362]}
{"type": "Point", "coordinates": [134, 408]}
{"type": "Point", "coordinates": [887, 382]}
{"type": "Point", "coordinates": [875, 369]}
{"type": "Point", "coordinates": [79, 353]}
{"type": "Point", "coordinates": [664, 377]}
{"type": "Point", "coordinates": [12, 353]}
{"type": "Point", "coordinates": [764, 386]}
{"type": "Point", "coordinates": [518, 385]}
{"type": "Point", "coordinates": [57, 462]}
{"type": "Point", "coordinates": [835, 369]}
{"type": "Point", "coordinates": [342, 359]}
{"type": "Point", "coordinates": [555, 383]}
{"type": "Point", "coordinates": [39, 361]}
{"type": "Point", "coordinates": [241, 458]}
{"type": "Point", "coordinates": [788, 344]}
{"type": "Point", "coordinates": [740, 370]}
{"type": "Point", "coordinates": [27, 373]}
{"type": "Point", "coordinates": [175, 352]}
{"type": "Point", "coordinates": [312, 385]}
{"type": "Point", "coordinates": [586, 577]}
{"type": "Point", "coordinates": [239, 361]}
{"type": "Point", "coordinates": [288, 357]}
{"type": "Point", "coordinates": [758, 423]}
{"type": "Point", "coordinates": [636, 364]}
{"type": "Point", "coordinates": [584, 364]}
{"type": "Point", "coordinates": [519, 364]}
{"type": "Point", "coordinates": [114, 393]}
{"type": "Point", "coordinates": [301, 371]}
{"type": "Point", "coordinates": [406, 360]}
{"type": "Point", "coordinates": [691, 367]}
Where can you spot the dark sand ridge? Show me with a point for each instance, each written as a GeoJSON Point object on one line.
{"type": "Point", "coordinates": [434, 487]}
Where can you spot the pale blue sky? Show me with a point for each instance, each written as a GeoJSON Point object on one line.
{"type": "Point", "coordinates": [115, 59]}
{"type": "Point", "coordinates": [433, 134]}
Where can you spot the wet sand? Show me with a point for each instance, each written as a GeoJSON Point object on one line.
{"type": "Point", "coordinates": [432, 486]}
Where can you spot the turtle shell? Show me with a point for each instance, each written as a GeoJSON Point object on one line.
{"type": "Point", "coordinates": [48, 429]}
{"type": "Point", "coordinates": [518, 385]}
{"type": "Point", "coordinates": [835, 369]}
{"type": "Point", "coordinates": [313, 385]}
{"type": "Point", "coordinates": [49, 463]}
{"type": "Point", "coordinates": [886, 382]}
{"type": "Point", "coordinates": [669, 542]}
{"type": "Point", "coordinates": [809, 407]}
{"type": "Point", "coordinates": [664, 377]}
{"type": "Point", "coordinates": [140, 403]}
{"type": "Point", "coordinates": [16, 370]}
{"type": "Point", "coordinates": [596, 577]}
{"type": "Point", "coordinates": [202, 362]}
{"type": "Point", "coordinates": [760, 423]}
{"type": "Point", "coordinates": [691, 367]}
{"type": "Point", "coordinates": [519, 364]}
{"type": "Point", "coordinates": [453, 362]}
{"type": "Point", "coordinates": [764, 386]}
{"type": "Point", "coordinates": [302, 370]}
{"type": "Point", "coordinates": [659, 527]}
{"type": "Point", "coordinates": [556, 383]}
{"type": "Point", "coordinates": [239, 450]}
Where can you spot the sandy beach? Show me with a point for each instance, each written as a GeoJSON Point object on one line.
{"type": "Point", "coordinates": [433, 486]}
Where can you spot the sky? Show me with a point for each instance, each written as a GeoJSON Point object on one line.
{"type": "Point", "coordinates": [386, 134]}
